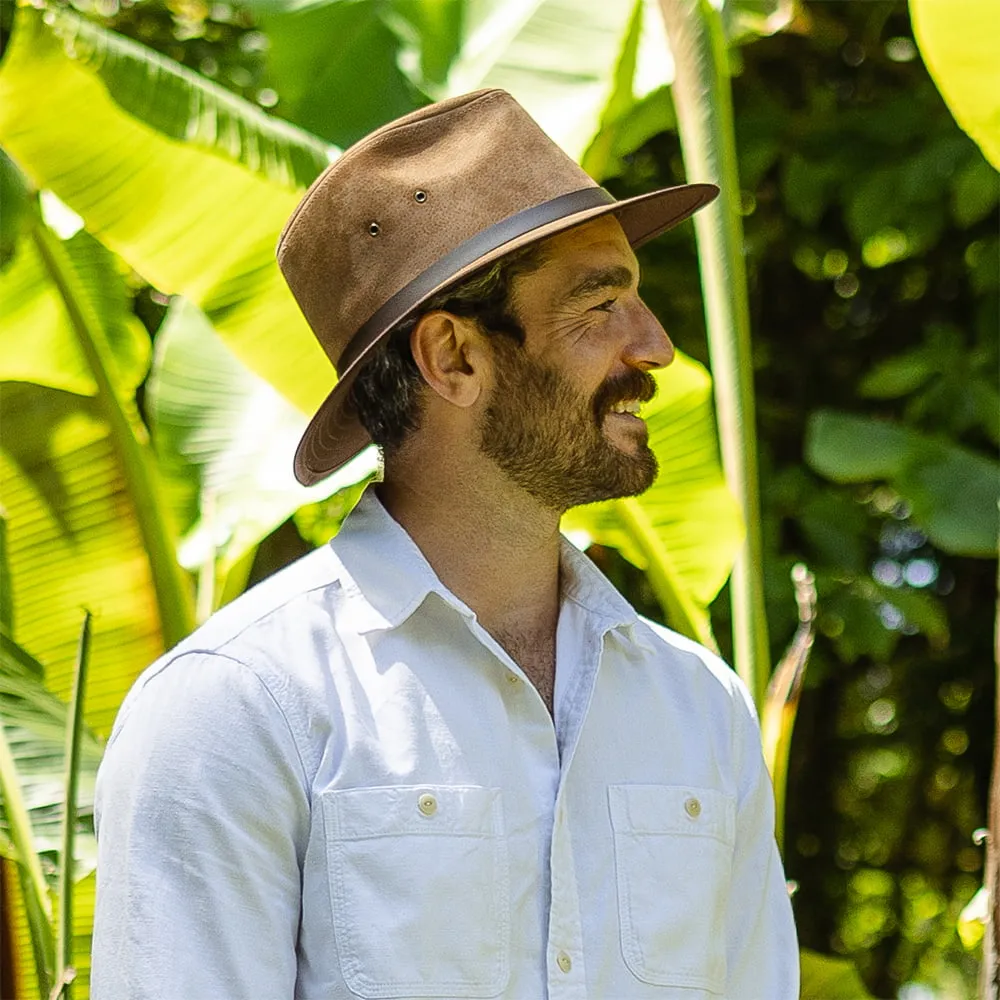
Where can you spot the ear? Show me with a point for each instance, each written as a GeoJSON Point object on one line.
{"type": "Point", "coordinates": [450, 353]}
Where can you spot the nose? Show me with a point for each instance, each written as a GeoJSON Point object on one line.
{"type": "Point", "coordinates": [649, 346]}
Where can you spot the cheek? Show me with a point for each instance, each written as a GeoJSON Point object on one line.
{"type": "Point", "coordinates": [584, 350]}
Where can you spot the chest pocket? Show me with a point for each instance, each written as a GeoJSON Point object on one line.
{"type": "Point", "coordinates": [419, 886]}
{"type": "Point", "coordinates": [673, 862]}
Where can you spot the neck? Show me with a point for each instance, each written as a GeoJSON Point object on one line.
{"type": "Point", "coordinates": [490, 543]}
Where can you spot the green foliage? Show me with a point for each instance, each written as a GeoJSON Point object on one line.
{"type": "Point", "coordinates": [826, 978]}
{"type": "Point", "coordinates": [47, 759]}
{"type": "Point", "coordinates": [873, 265]}
{"type": "Point", "coordinates": [306, 77]}
{"type": "Point", "coordinates": [14, 198]}
{"type": "Point", "coordinates": [35, 724]}
{"type": "Point", "coordinates": [198, 217]}
{"type": "Point", "coordinates": [38, 345]}
{"type": "Point", "coordinates": [223, 437]}
{"type": "Point", "coordinates": [953, 491]}
{"type": "Point", "coordinates": [73, 450]}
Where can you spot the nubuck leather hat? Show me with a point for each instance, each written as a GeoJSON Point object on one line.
{"type": "Point", "coordinates": [416, 207]}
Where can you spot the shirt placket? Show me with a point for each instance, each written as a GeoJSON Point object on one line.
{"type": "Point", "coordinates": [566, 972]}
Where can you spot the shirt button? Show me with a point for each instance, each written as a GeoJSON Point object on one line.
{"type": "Point", "coordinates": [427, 804]}
{"type": "Point", "coordinates": [693, 808]}
{"type": "Point", "coordinates": [513, 680]}
{"type": "Point", "coordinates": [564, 961]}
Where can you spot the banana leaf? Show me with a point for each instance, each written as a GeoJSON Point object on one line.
{"type": "Point", "coordinates": [224, 439]}
{"type": "Point", "coordinates": [189, 184]}
{"type": "Point", "coordinates": [559, 58]}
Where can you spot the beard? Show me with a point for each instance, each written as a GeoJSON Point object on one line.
{"type": "Point", "coordinates": [547, 437]}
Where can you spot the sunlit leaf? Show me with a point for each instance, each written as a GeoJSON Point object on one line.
{"type": "Point", "coordinates": [34, 721]}
{"type": "Point", "coordinates": [746, 19]}
{"type": "Point", "coordinates": [557, 57]}
{"type": "Point", "coordinates": [960, 46]}
{"type": "Point", "coordinates": [224, 439]}
{"type": "Point", "coordinates": [74, 471]}
{"type": "Point", "coordinates": [187, 183]}
{"type": "Point", "coordinates": [14, 196]}
{"type": "Point", "coordinates": [784, 692]}
{"type": "Point", "coordinates": [827, 978]}
{"type": "Point", "coordinates": [633, 114]}
{"type": "Point", "coordinates": [973, 920]}
{"type": "Point", "coordinates": [37, 343]}
{"type": "Point", "coordinates": [74, 542]}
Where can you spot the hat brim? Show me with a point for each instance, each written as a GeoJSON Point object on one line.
{"type": "Point", "coordinates": [335, 434]}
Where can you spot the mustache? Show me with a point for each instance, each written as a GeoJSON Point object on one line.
{"type": "Point", "coordinates": [633, 384]}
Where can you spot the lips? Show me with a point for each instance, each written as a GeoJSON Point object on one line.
{"type": "Point", "coordinates": [624, 394]}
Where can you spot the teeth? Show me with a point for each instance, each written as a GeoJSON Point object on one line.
{"type": "Point", "coordinates": [629, 406]}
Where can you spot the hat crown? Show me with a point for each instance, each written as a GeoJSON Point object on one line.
{"type": "Point", "coordinates": [407, 195]}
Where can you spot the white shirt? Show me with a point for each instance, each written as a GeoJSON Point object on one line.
{"type": "Point", "coordinates": [341, 786]}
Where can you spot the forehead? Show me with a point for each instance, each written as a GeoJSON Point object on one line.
{"type": "Point", "coordinates": [600, 242]}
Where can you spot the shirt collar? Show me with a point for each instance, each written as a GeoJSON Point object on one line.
{"type": "Point", "coordinates": [382, 570]}
{"type": "Point", "coordinates": [585, 584]}
{"type": "Point", "coordinates": [387, 576]}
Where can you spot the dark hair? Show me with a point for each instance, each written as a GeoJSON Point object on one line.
{"type": "Point", "coordinates": [387, 393]}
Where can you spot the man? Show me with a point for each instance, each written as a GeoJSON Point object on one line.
{"type": "Point", "coordinates": [441, 756]}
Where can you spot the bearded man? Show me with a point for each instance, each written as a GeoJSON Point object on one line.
{"type": "Point", "coordinates": [442, 756]}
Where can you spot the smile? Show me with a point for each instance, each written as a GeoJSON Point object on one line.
{"type": "Point", "coordinates": [628, 406]}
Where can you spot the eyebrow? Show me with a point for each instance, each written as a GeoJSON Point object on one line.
{"type": "Point", "coordinates": [617, 277]}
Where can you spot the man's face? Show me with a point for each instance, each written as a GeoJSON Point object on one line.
{"type": "Point", "coordinates": [560, 419]}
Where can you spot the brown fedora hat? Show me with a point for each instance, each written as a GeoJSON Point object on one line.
{"type": "Point", "coordinates": [417, 206]}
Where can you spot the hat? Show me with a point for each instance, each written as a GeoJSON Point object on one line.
{"type": "Point", "coordinates": [419, 205]}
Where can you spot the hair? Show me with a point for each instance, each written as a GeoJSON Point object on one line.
{"type": "Point", "coordinates": [387, 393]}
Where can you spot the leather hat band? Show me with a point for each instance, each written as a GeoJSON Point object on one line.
{"type": "Point", "coordinates": [466, 253]}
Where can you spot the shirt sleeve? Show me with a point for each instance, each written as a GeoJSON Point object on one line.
{"type": "Point", "coordinates": [762, 948]}
{"type": "Point", "coordinates": [202, 815]}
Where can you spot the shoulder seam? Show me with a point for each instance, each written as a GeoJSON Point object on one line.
{"type": "Point", "coordinates": [120, 721]}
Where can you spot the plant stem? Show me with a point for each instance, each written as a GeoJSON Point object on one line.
{"type": "Point", "coordinates": [173, 593]}
{"type": "Point", "coordinates": [64, 929]}
{"type": "Point", "coordinates": [781, 706]}
{"type": "Point", "coordinates": [703, 103]}
{"type": "Point", "coordinates": [33, 887]}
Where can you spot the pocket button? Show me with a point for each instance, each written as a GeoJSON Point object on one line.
{"type": "Point", "coordinates": [427, 804]}
{"type": "Point", "coordinates": [692, 807]}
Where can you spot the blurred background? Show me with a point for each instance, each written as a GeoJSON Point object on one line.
{"type": "Point", "coordinates": [147, 477]}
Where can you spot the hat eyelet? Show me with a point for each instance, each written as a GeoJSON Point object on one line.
{"type": "Point", "coordinates": [420, 196]}
{"type": "Point", "coordinates": [374, 229]}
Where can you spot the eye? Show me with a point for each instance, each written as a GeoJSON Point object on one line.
{"type": "Point", "coordinates": [606, 306]}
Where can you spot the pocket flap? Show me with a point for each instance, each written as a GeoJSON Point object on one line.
{"type": "Point", "coordinates": [684, 810]}
{"type": "Point", "coordinates": [434, 810]}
